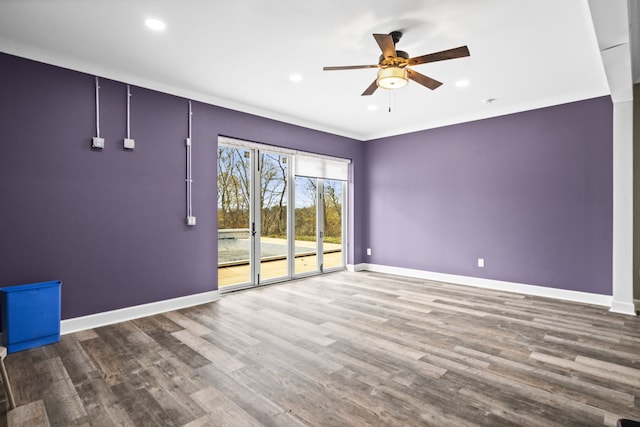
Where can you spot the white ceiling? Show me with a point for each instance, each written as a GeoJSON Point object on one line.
{"type": "Point", "coordinates": [239, 54]}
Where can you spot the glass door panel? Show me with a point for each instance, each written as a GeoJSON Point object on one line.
{"type": "Point", "coordinates": [332, 247]}
{"type": "Point", "coordinates": [272, 223]}
{"type": "Point", "coordinates": [273, 215]}
{"type": "Point", "coordinates": [305, 220]}
{"type": "Point", "coordinates": [234, 204]}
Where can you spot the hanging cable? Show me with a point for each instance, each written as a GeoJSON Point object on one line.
{"type": "Point", "coordinates": [190, 114]}
{"type": "Point", "coordinates": [392, 100]}
{"type": "Point", "coordinates": [191, 220]}
{"type": "Point", "coordinates": [190, 181]}
{"type": "Point", "coordinates": [96, 141]}
{"type": "Point", "coordinates": [129, 144]}
{"type": "Point", "coordinates": [128, 112]}
{"type": "Point", "coordinates": [97, 108]}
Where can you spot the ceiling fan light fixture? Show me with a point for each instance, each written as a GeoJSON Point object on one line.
{"type": "Point", "coordinates": [394, 72]}
{"type": "Point", "coordinates": [392, 78]}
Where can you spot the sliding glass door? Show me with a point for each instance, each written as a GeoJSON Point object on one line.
{"type": "Point", "coordinates": [235, 243]}
{"type": "Point", "coordinates": [252, 216]}
{"type": "Point", "coordinates": [277, 221]}
{"type": "Point", "coordinates": [306, 225]}
{"type": "Point", "coordinates": [334, 224]}
{"type": "Point", "coordinates": [273, 242]}
{"type": "Point", "coordinates": [319, 225]}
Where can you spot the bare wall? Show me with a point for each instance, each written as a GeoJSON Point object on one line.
{"type": "Point", "coordinates": [110, 223]}
{"type": "Point", "coordinates": [530, 193]}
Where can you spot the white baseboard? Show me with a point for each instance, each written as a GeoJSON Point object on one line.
{"type": "Point", "coordinates": [541, 291]}
{"type": "Point", "coordinates": [623, 307]}
{"type": "Point", "coordinates": [357, 267]}
{"type": "Point", "coordinates": [77, 324]}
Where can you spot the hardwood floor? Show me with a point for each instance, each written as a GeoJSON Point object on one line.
{"type": "Point", "coordinates": [343, 349]}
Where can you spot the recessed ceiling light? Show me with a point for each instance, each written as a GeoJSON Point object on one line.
{"type": "Point", "coordinates": [462, 83]}
{"type": "Point", "coordinates": [372, 107]}
{"type": "Point", "coordinates": [155, 24]}
{"type": "Point", "coordinates": [295, 78]}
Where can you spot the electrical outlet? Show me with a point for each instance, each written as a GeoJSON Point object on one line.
{"type": "Point", "coordinates": [368, 251]}
{"type": "Point", "coordinates": [480, 262]}
{"type": "Point", "coordinates": [97, 142]}
{"type": "Point", "coordinates": [191, 220]}
{"type": "Point", "coordinates": [129, 144]}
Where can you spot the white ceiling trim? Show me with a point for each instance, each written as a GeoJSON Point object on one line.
{"type": "Point", "coordinates": [491, 110]}
{"type": "Point", "coordinates": [227, 54]}
{"type": "Point", "coordinates": [59, 60]}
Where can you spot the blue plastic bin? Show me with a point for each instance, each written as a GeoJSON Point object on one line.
{"type": "Point", "coordinates": [30, 315]}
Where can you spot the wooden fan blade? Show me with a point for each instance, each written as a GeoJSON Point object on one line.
{"type": "Point", "coordinates": [457, 52]}
{"type": "Point", "coordinates": [349, 67]}
{"type": "Point", "coordinates": [385, 41]}
{"type": "Point", "coordinates": [372, 88]}
{"type": "Point", "coordinates": [423, 80]}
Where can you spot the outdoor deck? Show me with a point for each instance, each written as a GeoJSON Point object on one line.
{"type": "Point", "coordinates": [239, 272]}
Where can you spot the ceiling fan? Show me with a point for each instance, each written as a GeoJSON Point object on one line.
{"type": "Point", "coordinates": [394, 64]}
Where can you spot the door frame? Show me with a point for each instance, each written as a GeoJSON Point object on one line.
{"type": "Point", "coordinates": [255, 209]}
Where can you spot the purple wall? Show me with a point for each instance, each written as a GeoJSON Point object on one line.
{"type": "Point", "coordinates": [531, 193]}
{"type": "Point", "coordinates": [110, 223]}
{"type": "Point", "coordinates": [213, 121]}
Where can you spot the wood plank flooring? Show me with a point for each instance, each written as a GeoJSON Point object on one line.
{"type": "Point", "coordinates": [342, 349]}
